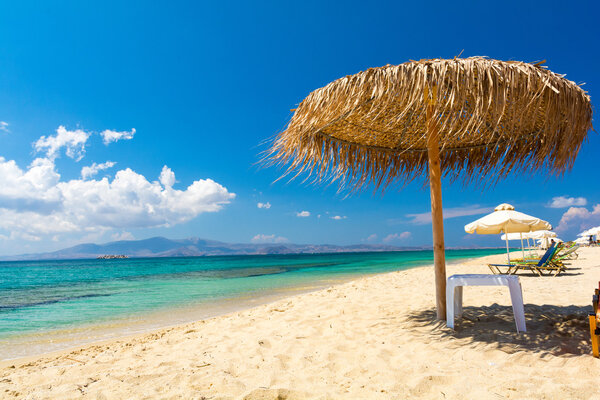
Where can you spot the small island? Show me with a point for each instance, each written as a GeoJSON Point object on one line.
{"type": "Point", "coordinates": [111, 256]}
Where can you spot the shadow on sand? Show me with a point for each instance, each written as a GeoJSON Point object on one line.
{"type": "Point", "coordinates": [556, 330]}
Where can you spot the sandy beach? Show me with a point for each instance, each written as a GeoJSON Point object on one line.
{"type": "Point", "coordinates": [374, 337]}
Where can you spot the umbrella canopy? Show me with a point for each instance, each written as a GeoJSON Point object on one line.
{"type": "Point", "coordinates": [556, 239]}
{"type": "Point", "coordinates": [505, 219]}
{"type": "Point", "coordinates": [545, 234]}
{"type": "Point", "coordinates": [582, 240]}
{"type": "Point", "coordinates": [545, 242]}
{"type": "Point", "coordinates": [428, 118]}
{"type": "Point", "coordinates": [591, 232]}
{"type": "Point", "coordinates": [529, 235]}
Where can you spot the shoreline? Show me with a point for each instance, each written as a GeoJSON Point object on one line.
{"type": "Point", "coordinates": [224, 311]}
{"type": "Point", "coordinates": [163, 319]}
{"type": "Point", "coordinates": [263, 300]}
{"type": "Point", "coordinates": [269, 301]}
{"type": "Point", "coordinates": [332, 343]}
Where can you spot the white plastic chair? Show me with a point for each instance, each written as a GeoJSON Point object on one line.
{"type": "Point", "coordinates": [454, 289]}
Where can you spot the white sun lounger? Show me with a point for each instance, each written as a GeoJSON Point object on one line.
{"type": "Point", "coordinates": [454, 288]}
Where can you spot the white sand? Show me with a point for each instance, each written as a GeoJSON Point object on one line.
{"type": "Point", "coordinates": [375, 337]}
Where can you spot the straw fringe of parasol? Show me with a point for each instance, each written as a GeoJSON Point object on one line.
{"type": "Point", "coordinates": [493, 117]}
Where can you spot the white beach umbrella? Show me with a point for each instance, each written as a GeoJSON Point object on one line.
{"type": "Point", "coordinates": [584, 233]}
{"type": "Point", "coordinates": [546, 239]}
{"type": "Point", "coordinates": [530, 235]}
{"type": "Point", "coordinates": [505, 219]}
{"type": "Point", "coordinates": [518, 236]}
{"type": "Point", "coordinates": [514, 236]}
{"type": "Point", "coordinates": [581, 240]}
{"type": "Point", "coordinates": [544, 242]}
{"type": "Point", "coordinates": [591, 232]}
{"type": "Point", "coordinates": [543, 234]}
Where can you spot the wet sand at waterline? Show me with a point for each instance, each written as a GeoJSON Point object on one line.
{"type": "Point", "coordinates": [374, 337]}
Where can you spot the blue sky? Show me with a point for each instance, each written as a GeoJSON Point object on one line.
{"type": "Point", "coordinates": [198, 87]}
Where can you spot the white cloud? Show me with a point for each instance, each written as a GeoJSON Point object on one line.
{"type": "Point", "coordinates": [266, 205]}
{"type": "Point", "coordinates": [580, 218]}
{"type": "Point", "coordinates": [167, 177]}
{"type": "Point", "coordinates": [31, 190]}
{"type": "Point", "coordinates": [338, 217]}
{"type": "Point", "coordinates": [4, 126]}
{"type": "Point", "coordinates": [425, 218]}
{"type": "Point", "coordinates": [113, 136]}
{"type": "Point", "coordinates": [371, 238]}
{"type": "Point", "coordinates": [397, 236]}
{"type": "Point", "coordinates": [261, 238]}
{"type": "Point", "coordinates": [303, 214]}
{"type": "Point", "coordinates": [35, 202]}
{"type": "Point", "coordinates": [88, 172]}
{"type": "Point", "coordinates": [122, 236]}
{"type": "Point", "coordinates": [73, 141]}
{"type": "Point", "coordinates": [564, 201]}
{"type": "Point", "coordinates": [30, 237]}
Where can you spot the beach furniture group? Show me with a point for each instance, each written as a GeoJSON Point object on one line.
{"type": "Point", "coordinates": [505, 219]}
{"type": "Point", "coordinates": [551, 263]}
{"type": "Point", "coordinates": [454, 291]}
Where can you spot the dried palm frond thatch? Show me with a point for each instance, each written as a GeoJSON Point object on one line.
{"type": "Point", "coordinates": [493, 117]}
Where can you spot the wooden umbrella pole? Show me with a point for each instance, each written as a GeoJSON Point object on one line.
{"type": "Point", "coordinates": [437, 218]}
{"type": "Point", "coordinates": [507, 250]}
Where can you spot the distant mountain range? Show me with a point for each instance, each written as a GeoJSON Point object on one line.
{"type": "Point", "coordinates": [194, 247]}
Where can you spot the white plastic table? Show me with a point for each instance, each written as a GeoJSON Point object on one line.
{"type": "Point", "coordinates": [454, 289]}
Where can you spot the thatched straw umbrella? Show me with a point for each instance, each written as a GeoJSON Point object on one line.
{"type": "Point", "coordinates": [462, 117]}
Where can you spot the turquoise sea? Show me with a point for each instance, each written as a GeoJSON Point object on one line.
{"type": "Point", "coordinates": [52, 305]}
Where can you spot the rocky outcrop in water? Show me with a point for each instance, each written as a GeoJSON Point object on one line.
{"type": "Point", "coordinates": [111, 256]}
